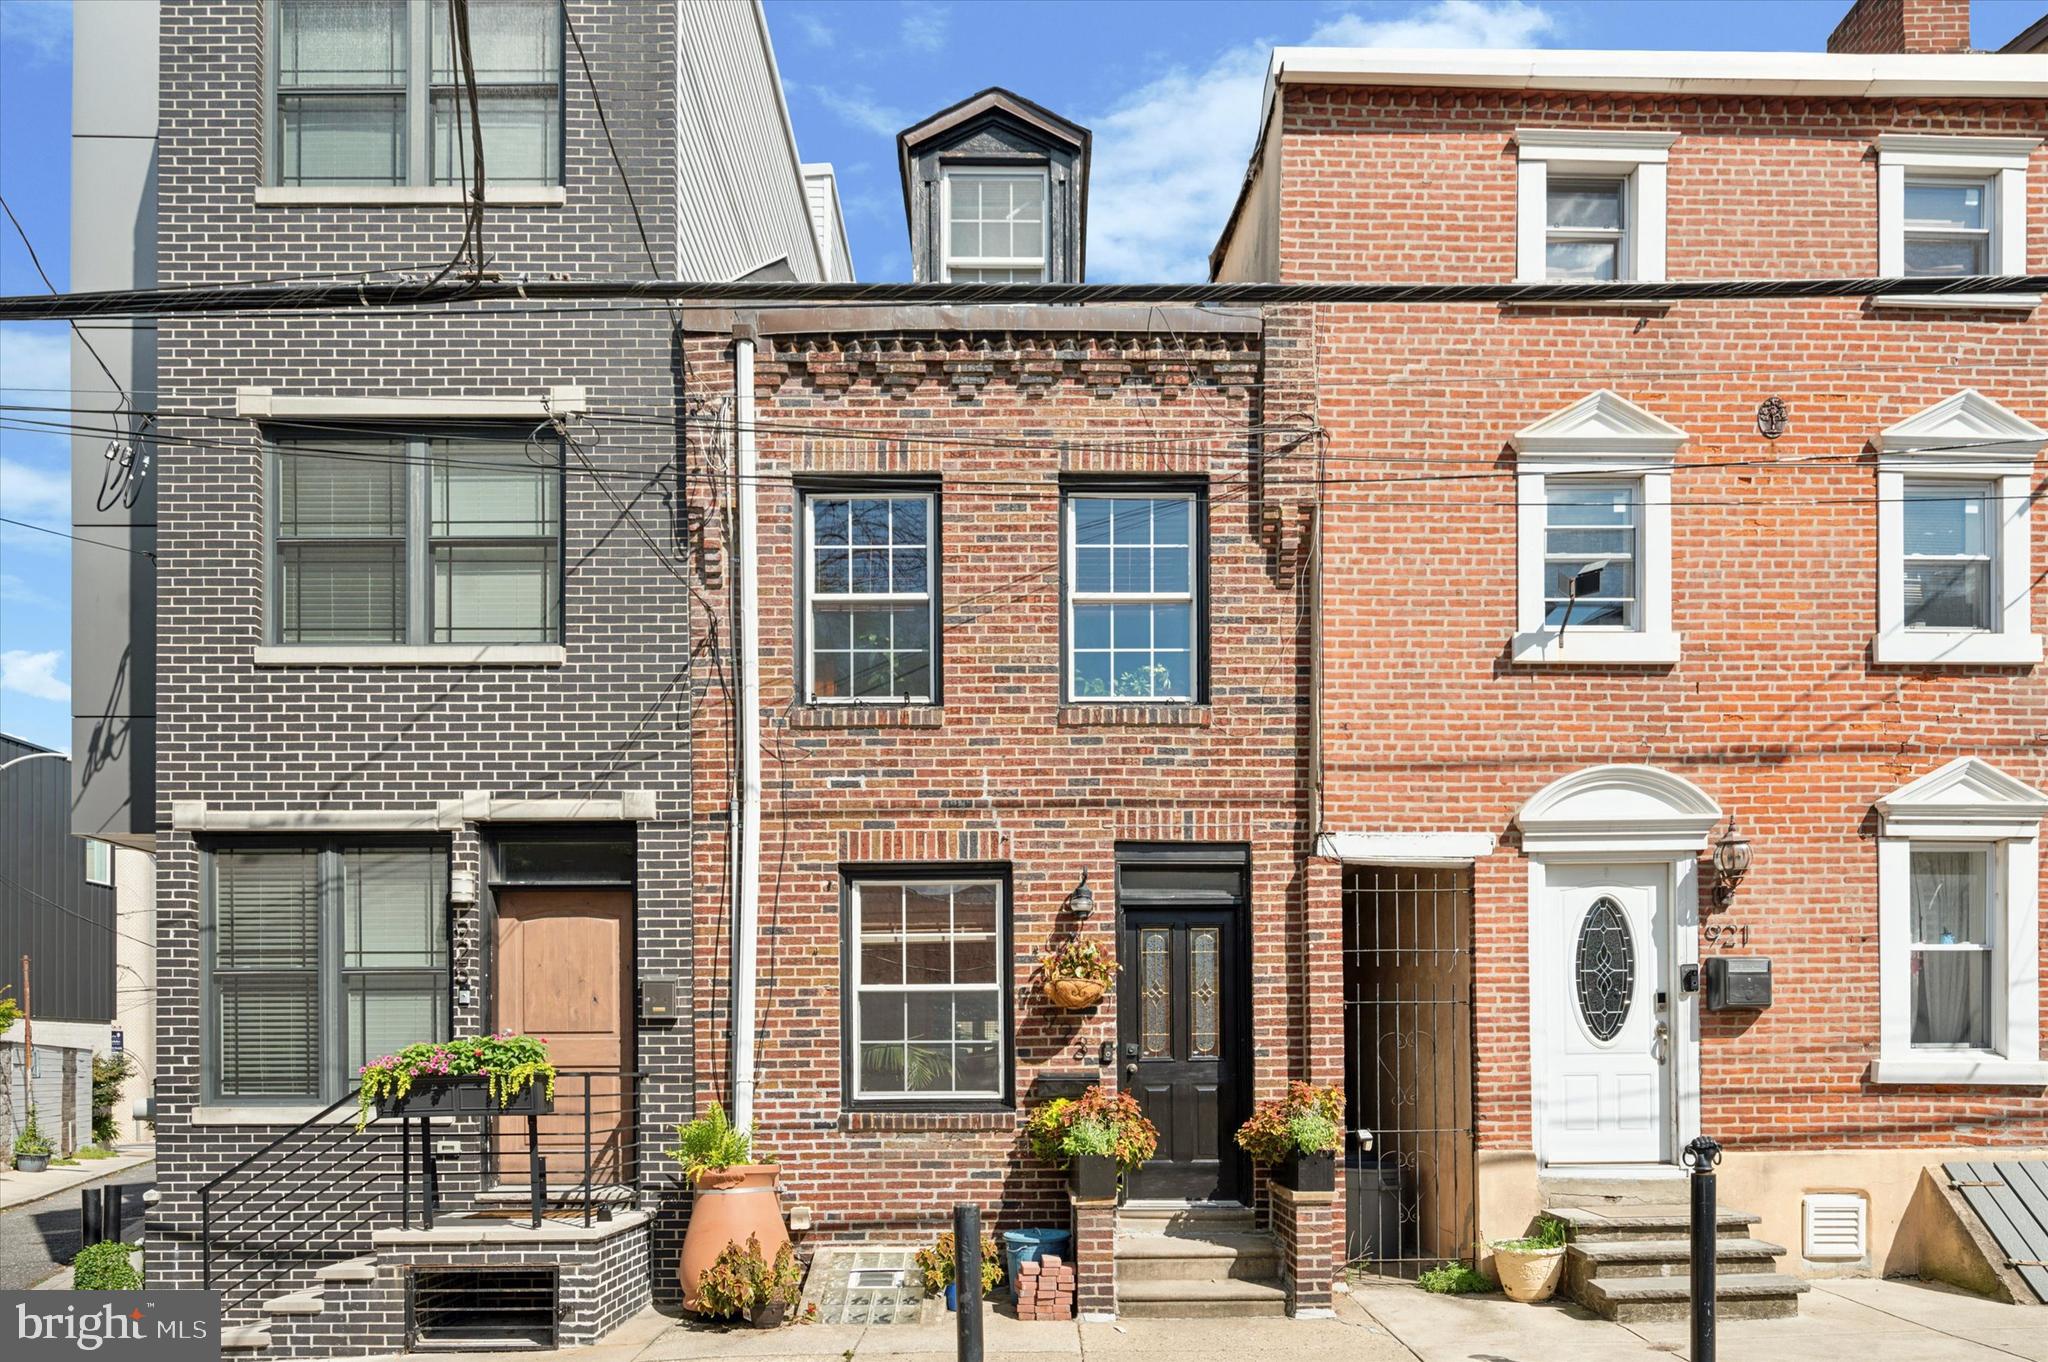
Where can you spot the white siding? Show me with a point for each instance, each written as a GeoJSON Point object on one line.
{"type": "Point", "coordinates": [828, 225]}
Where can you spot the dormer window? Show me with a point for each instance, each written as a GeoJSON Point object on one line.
{"type": "Point", "coordinates": [994, 226]}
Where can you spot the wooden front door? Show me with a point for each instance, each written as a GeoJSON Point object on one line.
{"type": "Point", "coordinates": [1181, 1040]}
{"type": "Point", "coordinates": [564, 971]}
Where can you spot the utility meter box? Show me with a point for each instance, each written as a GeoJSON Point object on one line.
{"type": "Point", "coordinates": [1737, 983]}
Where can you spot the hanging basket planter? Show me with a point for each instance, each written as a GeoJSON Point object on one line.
{"type": "Point", "coordinates": [1074, 994]}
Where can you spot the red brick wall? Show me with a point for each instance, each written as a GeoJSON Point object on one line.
{"type": "Point", "coordinates": [1879, 26]}
{"type": "Point", "coordinates": [1775, 709]}
{"type": "Point", "coordinates": [1003, 766]}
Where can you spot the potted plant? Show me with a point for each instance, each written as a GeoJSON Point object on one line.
{"type": "Point", "coordinates": [1529, 1267]}
{"type": "Point", "coordinates": [1076, 973]}
{"type": "Point", "coordinates": [497, 1075]}
{"type": "Point", "coordinates": [1297, 1136]}
{"type": "Point", "coordinates": [735, 1201]}
{"type": "Point", "coordinates": [742, 1281]}
{"type": "Point", "coordinates": [938, 1265]}
{"type": "Point", "coordinates": [31, 1149]}
{"type": "Point", "coordinates": [1095, 1136]}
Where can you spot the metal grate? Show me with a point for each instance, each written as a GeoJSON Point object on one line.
{"type": "Point", "coordinates": [496, 1307]}
{"type": "Point", "coordinates": [1409, 1076]}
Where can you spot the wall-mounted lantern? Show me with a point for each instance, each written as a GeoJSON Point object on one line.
{"type": "Point", "coordinates": [1081, 902]}
{"type": "Point", "coordinates": [1731, 863]}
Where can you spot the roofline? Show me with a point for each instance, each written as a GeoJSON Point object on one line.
{"type": "Point", "coordinates": [2032, 38]}
{"type": "Point", "coordinates": [1174, 319]}
{"type": "Point", "coordinates": [1080, 136]}
{"type": "Point", "coordinates": [1971, 75]}
{"type": "Point", "coordinates": [823, 170]}
{"type": "Point", "coordinates": [32, 743]}
{"type": "Point", "coordinates": [796, 161]}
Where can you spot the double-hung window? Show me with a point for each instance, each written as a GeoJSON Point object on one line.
{"type": "Point", "coordinates": [1948, 207]}
{"type": "Point", "coordinates": [1586, 229]}
{"type": "Point", "coordinates": [320, 959]}
{"type": "Point", "coordinates": [870, 560]}
{"type": "Point", "coordinates": [1959, 928]}
{"type": "Point", "coordinates": [1954, 543]}
{"type": "Point", "coordinates": [371, 93]}
{"type": "Point", "coordinates": [928, 974]}
{"type": "Point", "coordinates": [995, 226]}
{"type": "Point", "coordinates": [1589, 553]}
{"type": "Point", "coordinates": [1590, 203]}
{"type": "Point", "coordinates": [1948, 227]}
{"type": "Point", "coordinates": [453, 539]}
{"type": "Point", "coordinates": [1134, 595]}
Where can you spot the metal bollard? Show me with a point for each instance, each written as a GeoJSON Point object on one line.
{"type": "Point", "coordinates": [112, 1215]}
{"type": "Point", "coordinates": [90, 1231]}
{"type": "Point", "coordinates": [967, 1281]}
{"type": "Point", "coordinates": [1700, 1157]}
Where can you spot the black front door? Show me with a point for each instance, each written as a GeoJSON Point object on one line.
{"type": "Point", "coordinates": [1181, 1040]}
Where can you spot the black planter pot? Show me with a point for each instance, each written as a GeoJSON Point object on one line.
{"type": "Point", "coordinates": [1308, 1172]}
{"type": "Point", "coordinates": [1093, 1177]}
{"type": "Point", "coordinates": [465, 1096]}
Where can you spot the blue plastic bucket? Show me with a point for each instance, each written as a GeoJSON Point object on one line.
{"type": "Point", "coordinates": [1026, 1246]}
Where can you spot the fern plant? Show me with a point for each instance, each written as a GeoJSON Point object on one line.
{"type": "Point", "coordinates": [712, 1142]}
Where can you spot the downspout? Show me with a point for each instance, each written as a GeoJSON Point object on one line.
{"type": "Point", "coordinates": [746, 907]}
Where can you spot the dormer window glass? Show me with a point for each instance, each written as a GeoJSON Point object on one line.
{"type": "Point", "coordinates": [995, 226]}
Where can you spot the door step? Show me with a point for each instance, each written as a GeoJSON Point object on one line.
{"type": "Point", "coordinates": [1633, 1264]}
{"type": "Point", "coordinates": [1197, 1255]}
{"type": "Point", "coordinates": [1669, 1221]}
{"type": "Point", "coordinates": [1195, 1260]}
{"type": "Point", "coordinates": [1227, 1299]}
{"type": "Point", "coordinates": [1160, 1217]}
{"type": "Point", "coordinates": [1647, 1300]}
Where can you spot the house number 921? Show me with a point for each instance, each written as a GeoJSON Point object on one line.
{"type": "Point", "coordinates": [1728, 937]}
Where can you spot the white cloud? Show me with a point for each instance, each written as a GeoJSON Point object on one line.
{"type": "Point", "coordinates": [1171, 155]}
{"type": "Point", "coordinates": [34, 357]}
{"type": "Point", "coordinates": [924, 26]}
{"type": "Point", "coordinates": [33, 674]}
{"type": "Point", "coordinates": [36, 31]}
{"type": "Point", "coordinates": [16, 589]}
{"type": "Point", "coordinates": [31, 493]}
{"type": "Point", "coordinates": [815, 31]}
{"type": "Point", "coordinates": [856, 105]}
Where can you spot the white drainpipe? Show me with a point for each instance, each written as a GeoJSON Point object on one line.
{"type": "Point", "coordinates": [746, 915]}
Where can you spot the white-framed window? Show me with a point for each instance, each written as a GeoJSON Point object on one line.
{"type": "Point", "coordinates": [1958, 918]}
{"type": "Point", "coordinates": [1949, 207]}
{"type": "Point", "coordinates": [928, 971]}
{"type": "Point", "coordinates": [99, 861]}
{"type": "Point", "coordinates": [870, 563]}
{"type": "Point", "coordinates": [994, 225]}
{"type": "Point", "coordinates": [369, 93]}
{"type": "Point", "coordinates": [1590, 204]}
{"type": "Point", "coordinates": [1954, 493]}
{"type": "Point", "coordinates": [1134, 587]}
{"type": "Point", "coordinates": [1594, 576]}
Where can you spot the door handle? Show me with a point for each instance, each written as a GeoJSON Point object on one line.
{"type": "Point", "coordinates": [1660, 1038]}
{"type": "Point", "coordinates": [1130, 1071]}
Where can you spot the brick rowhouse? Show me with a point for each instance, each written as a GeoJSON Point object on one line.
{"type": "Point", "coordinates": [1774, 706]}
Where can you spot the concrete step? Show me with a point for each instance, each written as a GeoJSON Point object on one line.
{"type": "Point", "coordinates": [247, 1338]}
{"type": "Point", "coordinates": [1160, 1217]}
{"type": "Point", "coordinates": [1195, 1255]}
{"type": "Point", "coordinates": [1228, 1299]}
{"type": "Point", "coordinates": [295, 1303]}
{"type": "Point", "coordinates": [1594, 1191]}
{"type": "Point", "coordinates": [1666, 1257]}
{"type": "Point", "coordinates": [1647, 1300]}
{"type": "Point", "coordinates": [354, 1270]}
{"type": "Point", "coordinates": [1623, 1223]}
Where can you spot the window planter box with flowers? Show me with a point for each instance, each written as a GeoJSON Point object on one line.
{"type": "Point", "coordinates": [1297, 1137]}
{"type": "Point", "coordinates": [496, 1075]}
{"type": "Point", "coordinates": [1096, 1137]}
{"type": "Point", "coordinates": [1076, 974]}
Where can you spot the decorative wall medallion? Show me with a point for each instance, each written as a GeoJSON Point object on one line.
{"type": "Point", "coordinates": [1771, 417]}
{"type": "Point", "coordinates": [1606, 969]}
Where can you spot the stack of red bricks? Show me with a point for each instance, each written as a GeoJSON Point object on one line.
{"type": "Point", "coordinates": [1045, 1289]}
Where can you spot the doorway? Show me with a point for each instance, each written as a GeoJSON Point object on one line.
{"type": "Point", "coordinates": [1184, 1032]}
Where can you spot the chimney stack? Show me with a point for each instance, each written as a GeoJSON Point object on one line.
{"type": "Point", "coordinates": [1875, 27]}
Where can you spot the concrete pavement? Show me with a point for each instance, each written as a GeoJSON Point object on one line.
{"type": "Point", "coordinates": [18, 1188]}
{"type": "Point", "coordinates": [38, 1237]}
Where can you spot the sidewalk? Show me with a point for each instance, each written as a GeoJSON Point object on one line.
{"type": "Point", "coordinates": [1871, 1321]}
{"type": "Point", "coordinates": [18, 1189]}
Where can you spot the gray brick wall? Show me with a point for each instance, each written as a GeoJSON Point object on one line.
{"type": "Point", "coordinates": [615, 717]}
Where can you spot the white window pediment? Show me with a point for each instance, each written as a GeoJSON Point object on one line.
{"type": "Point", "coordinates": [1964, 447]}
{"type": "Point", "coordinates": [1967, 799]}
{"type": "Point", "coordinates": [1618, 808]}
{"type": "Point", "coordinates": [1602, 446]}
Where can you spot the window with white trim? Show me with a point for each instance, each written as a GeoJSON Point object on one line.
{"type": "Point", "coordinates": [1948, 207]}
{"type": "Point", "coordinates": [1954, 507]}
{"type": "Point", "coordinates": [1589, 558]}
{"type": "Point", "coordinates": [1958, 917]}
{"type": "Point", "coordinates": [870, 623]}
{"type": "Point", "coordinates": [1590, 203]}
{"type": "Point", "coordinates": [1133, 580]}
{"type": "Point", "coordinates": [99, 861]}
{"type": "Point", "coordinates": [995, 226]}
{"type": "Point", "coordinates": [371, 93]}
{"type": "Point", "coordinates": [928, 984]}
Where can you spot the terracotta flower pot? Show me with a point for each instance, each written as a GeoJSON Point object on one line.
{"type": "Point", "coordinates": [729, 1205]}
{"type": "Point", "coordinates": [1529, 1275]}
{"type": "Point", "coordinates": [1072, 994]}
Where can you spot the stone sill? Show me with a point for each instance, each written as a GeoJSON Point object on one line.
{"type": "Point", "coordinates": [867, 716]}
{"type": "Point", "coordinates": [910, 1121]}
{"type": "Point", "coordinates": [281, 1117]}
{"type": "Point", "coordinates": [405, 196]}
{"type": "Point", "coordinates": [1960, 1071]}
{"type": "Point", "coordinates": [1136, 716]}
{"type": "Point", "coordinates": [1956, 302]}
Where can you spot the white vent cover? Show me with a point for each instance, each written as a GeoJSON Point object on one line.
{"type": "Point", "coordinates": [1836, 1225]}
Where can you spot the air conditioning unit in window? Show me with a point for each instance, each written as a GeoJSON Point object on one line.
{"type": "Point", "coordinates": [1837, 1226]}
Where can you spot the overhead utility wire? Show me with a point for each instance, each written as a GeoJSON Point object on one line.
{"type": "Point", "coordinates": [238, 298]}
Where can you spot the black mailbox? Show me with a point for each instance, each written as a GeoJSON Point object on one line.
{"type": "Point", "coordinates": [1737, 983]}
{"type": "Point", "coordinates": [660, 996]}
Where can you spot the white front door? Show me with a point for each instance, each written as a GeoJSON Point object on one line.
{"type": "Point", "coordinates": [1605, 1081]}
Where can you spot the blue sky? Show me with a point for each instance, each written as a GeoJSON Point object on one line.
{"type": "Point", "coordinates": [1170, 89]}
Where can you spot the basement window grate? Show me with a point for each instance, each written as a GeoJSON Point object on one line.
{"type": "Point", "coordinates": [504, 1308]}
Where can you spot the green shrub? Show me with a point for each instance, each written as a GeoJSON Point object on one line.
{"type": "Point", "coordinates": [1548, 1234]}
{"type": "Point", "coordinates": [1314, 1133]}
{"type": "Point", "coordinates": [1454, 1279]}
{"type": "Point", "coordinates": [93, 1151]}
{"type": "Point", "coordinates": [31, 1140]}
{"type": "Point", "coordinates": [109, 1073]}
{"type": "Point", "coordinates": [712, 1142]}
{"type": "Point", "coordinates": [105, 1267]}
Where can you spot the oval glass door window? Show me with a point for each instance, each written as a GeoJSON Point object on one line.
{"type": "Point", "coordinates": [1606, 969]}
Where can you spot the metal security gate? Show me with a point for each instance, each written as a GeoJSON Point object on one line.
{"type": "Point", "coordinates": [1411, 1199]}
